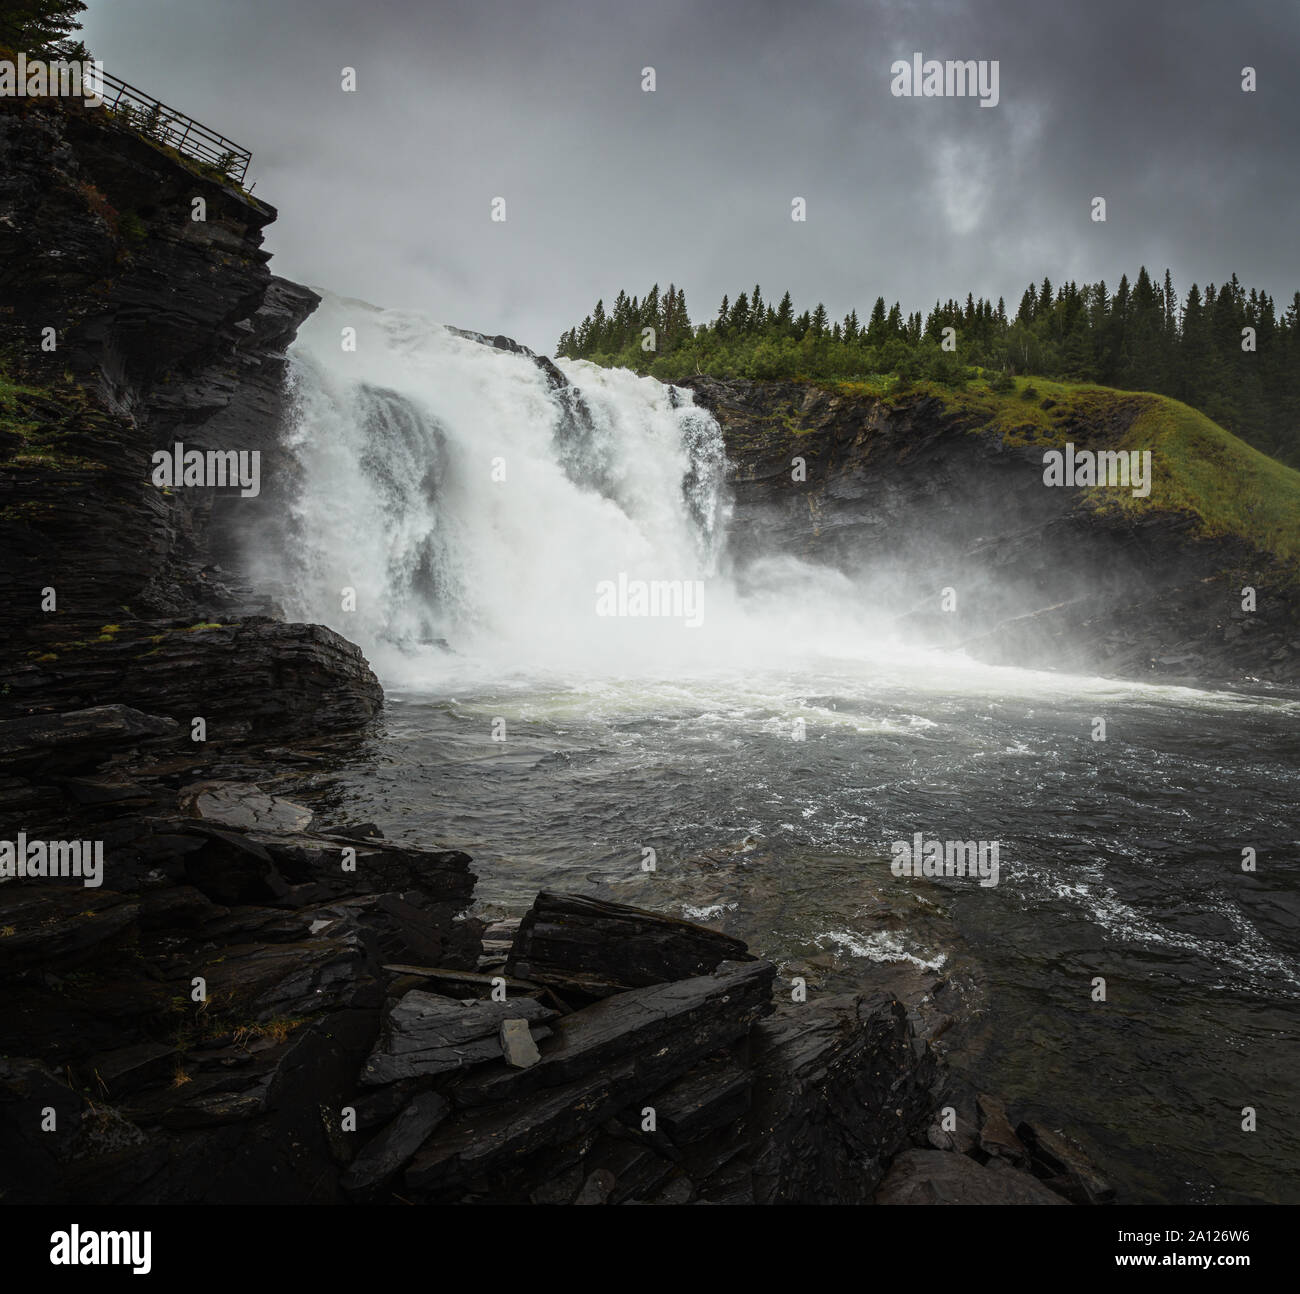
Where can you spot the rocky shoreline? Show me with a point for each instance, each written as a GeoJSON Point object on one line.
{"type": "Point", "coordinates": [257, 1011]}
{"type": "Point", "coordinates": [255, 1006]}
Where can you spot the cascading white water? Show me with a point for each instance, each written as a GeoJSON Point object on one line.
{"type": "Point", "coordinates": [476, 507]}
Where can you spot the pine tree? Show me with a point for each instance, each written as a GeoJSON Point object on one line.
{"type": "Point", "coordinates": [29, 26]}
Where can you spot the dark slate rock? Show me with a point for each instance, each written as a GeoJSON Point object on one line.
{"type": "Point", "coordinates": [77, 737]}
{"type": "Point", "coordinates": [839, 1089]}
{"type": "Point", "coordinates": [425, 1035]}
{"type": "Point", "coordinates": [1063, 1166]}
{"type": "Point", "coordinates": [590, 947]}
{"type": "Point", "coordinates": [668, 1027]}
{"type": "Point", "coordinates": [997, 1138]}
{"type": "Point", "coordinates": [602, 1059]}
{"type": "Point", "coordinates": [714, 1093]}
{"type": "Point", "coordinates": [597, 1188]}
{"type": "Point", "coordinates": [381, 1159]}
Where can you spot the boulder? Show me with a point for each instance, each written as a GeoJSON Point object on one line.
{"type": "Point", "coordinates": [1063, 1166]}
{"type": "Point", "coordinates": [591, 948]}
{"type": "Point", "coordinates": [425, 1035]}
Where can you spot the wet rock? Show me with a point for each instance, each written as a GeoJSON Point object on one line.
{"type": "Point", "coordinates": [592, 948]}
{"type": "Point", "coordinates": [668, 1027]}
{"type": "Point", "coordinates": [77, 738]}
{"type": "Point", "coordinates": [996, 1137]}
{"type": "Point", "coordinates": [713, 1094]}
{"type": "Point", "coordinates": [603, 1058]}
{"type": "Point", "coordinates": [60, 925]}
{"type": "Point", "coordinates": [243, 807]}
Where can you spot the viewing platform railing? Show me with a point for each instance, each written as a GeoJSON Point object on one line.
{"type": "Point", "coordinates": [141, 112]}
{"type": "Point", "coordinates": [164, 125]}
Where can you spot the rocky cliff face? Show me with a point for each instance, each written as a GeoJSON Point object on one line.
{"type": "Point", "coordinates": [130, 325]}
{"type": "Point", "coordinates": [911, 499]}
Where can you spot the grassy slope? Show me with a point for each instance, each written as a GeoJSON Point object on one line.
{"type": "Point", "coordinates": [1196, 465]}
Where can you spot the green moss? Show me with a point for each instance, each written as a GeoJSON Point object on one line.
{"type": "Point", "coordinates": [41, 419]}
{"type": "Point", "coordinates": [1232, 489]}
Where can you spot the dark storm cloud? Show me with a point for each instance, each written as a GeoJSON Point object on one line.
{"type": "Point", "coordinates": [385, 194]}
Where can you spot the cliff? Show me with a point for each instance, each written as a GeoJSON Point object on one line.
{"type": "Point", "coordinates": [915, 492]}
{"type": "Point", "coordinates": [126, 325]}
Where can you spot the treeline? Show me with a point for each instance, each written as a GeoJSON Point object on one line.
{"type": "Point", "coordinates": [1141, 337]}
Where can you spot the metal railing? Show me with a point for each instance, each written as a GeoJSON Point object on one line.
{"type": "Point", "coordinates": [150, 117]}
{"type": "Point", "coordinates": [164, 125]}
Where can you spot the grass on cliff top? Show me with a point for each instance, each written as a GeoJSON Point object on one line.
{"type": "Point", "coordinates": [1196, 466]}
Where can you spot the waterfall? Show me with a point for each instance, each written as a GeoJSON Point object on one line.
{"type": "Point", "coordinates": [453, 499]}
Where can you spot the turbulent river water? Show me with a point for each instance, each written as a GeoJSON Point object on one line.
{"type": "Point", "coordinates": [770, 754]}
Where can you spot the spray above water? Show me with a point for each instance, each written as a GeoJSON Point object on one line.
{"type": "Point", "coordinates": [481, 510]}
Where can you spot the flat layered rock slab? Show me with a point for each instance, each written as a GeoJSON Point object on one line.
{"type": "Point", "coordinates": [425, 1035]}
{"type": "Point", "coordinates": [596, 948]}
{"type": "Point", "coordinates": [603, 1059]}
{"type": "Point", "coordinates": [1063, 1166]}
{"type": "Point", "coordinates": [686, 1021]}
{"type": "Point", "coordinates": [240, 806]}
{"type": "Point", "coordinates": [86, 733]}
{"type": "Point", "coordinates": [493, 1139]}
{"type": "Point", "coordinates": [714, 1093]}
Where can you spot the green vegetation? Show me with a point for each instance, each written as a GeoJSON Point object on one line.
{"type": "Point", "coordinates": [1229, 486]}
{"type": "Point", "coordinates": [15, 416]}
{"type": "Point", "coordinates": [30, 25]}
{"type": "Point", "coordinates": [1232, 487]}
{"type": "Point", "coordinates": [35, 422]}
{"type": "Point", "coordinates": [1140, 337]}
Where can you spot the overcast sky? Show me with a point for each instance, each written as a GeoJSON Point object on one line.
{"type": "Point", "coordinates": [385, 194]}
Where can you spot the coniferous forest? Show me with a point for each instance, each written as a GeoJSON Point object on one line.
{"type": "Point", "coordinates": [1141, 336]}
